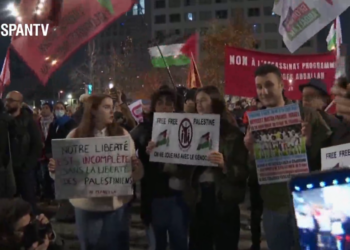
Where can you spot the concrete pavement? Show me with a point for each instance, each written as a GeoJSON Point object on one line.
{"type": "Point", "coordinates": [138, 239]}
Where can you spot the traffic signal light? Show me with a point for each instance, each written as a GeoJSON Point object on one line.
{"type": "Point", "coordinates": [89, 88]}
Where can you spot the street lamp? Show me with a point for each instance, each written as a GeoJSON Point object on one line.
{"type": "Point", "coordinates": [111, 85]}
{"type": "Point", "coordinates": [69, 96]}
{"type": "Point", "coordinates": [59, 94]}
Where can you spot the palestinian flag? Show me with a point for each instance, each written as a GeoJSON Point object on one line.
{"type": "Point", "coordinates": [163, 139]}
{"type": "Point", "coordinates": [204, 142]}
{"type": "Point", "coordinates": [179, 54]}
{"type": "Point", "coordinates": [335, 38]}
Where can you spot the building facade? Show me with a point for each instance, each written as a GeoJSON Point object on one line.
{"type": "Point", "coordinates": [134, 24]}
{"type": "Point", "coordinates": [183, 17]}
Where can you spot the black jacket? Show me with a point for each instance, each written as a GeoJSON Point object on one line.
{"type": "Point", "coordinates": [155, 182]}
{"type": "Point", "coordinates": [340, 129]}
{"type": "Point", "coordinates": [25, 139]}
{"type": "Point", "coordinates": [57, 132]}
{"type": "Point", "coordinates": [4, 146]}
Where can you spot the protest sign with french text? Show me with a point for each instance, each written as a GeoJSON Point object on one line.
{"type": "Point", "coordinates": [241, 64]}
{"type": "Point", "coordinates": [279, 147]}
{"type": "Point", "coordinates": [92, 167]}
{"type": "Point", "coordinates": [335, 157]}
{"type": "Point", "coordinates": [185, 138]}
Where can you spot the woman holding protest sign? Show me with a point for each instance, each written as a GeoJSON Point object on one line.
{"type": "Point", "coordinates": [102, 223]}
{"type": "Point", "coordinates": [218, 190]}
{"type": "Point", "coordinates": [163, 208]}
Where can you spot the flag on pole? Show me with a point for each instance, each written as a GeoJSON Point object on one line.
{"type": "Point", "coordinates": [5, 76]}
{"type": "Point", "coordinates": [335, 37]}
{"type": "Point", "coordinates": [174, 54]}
{"type": "Point", "coordinates": [302, 19]}
{"type": "Point", "coordinates": [193, 78]}
{"type": "Point", "coordinates": [79, 22]}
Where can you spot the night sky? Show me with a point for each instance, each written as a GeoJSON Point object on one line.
{"type": "Point", "coordinates": [24, 81]}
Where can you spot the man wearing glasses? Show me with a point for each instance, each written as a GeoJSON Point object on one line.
{"type": "Point", "coordinates": [26, 146]}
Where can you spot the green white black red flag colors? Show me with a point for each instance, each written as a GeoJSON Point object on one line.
{"type": "Point", "coordinates": [205, 142]}
{"type": "Point", "coordinates": [174, 54]}
{"type": "Point", "coordinates": [189, 138]}
{"type": "Point", "coordinates": [79, 22]}
{"type": "Point", "coordinates": [302, 19]}
{"type": "Point", "coordinates": [163, 139]}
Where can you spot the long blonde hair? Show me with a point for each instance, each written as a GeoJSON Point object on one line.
{"type": "Point", "coordinates": [87, 125]}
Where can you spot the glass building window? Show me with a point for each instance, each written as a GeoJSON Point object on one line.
{"type": "Point", "coordinates": [174, 3]}
{"type": "Point", "coordinates": [159, 19]}
{"type": "Point", "coordinates": [159, 4]}
{"type": "Point", "coordinates": [189, 2]}
{"type": "Point", "coordinates": [221, 14]}
{"type": "Point", "coordinates": [253, 12]}
{"type": "Point", "coordinates": [190, 16]}
{"type": "Point", "coordinates": [175, 18]}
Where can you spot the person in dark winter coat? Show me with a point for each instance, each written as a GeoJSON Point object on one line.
{"type": "Point", "coordinates": [7, 181]}
{"type": "Point", "coordinates": [163, 208]}
{"type": "Point", "coordinates": [59, 129]}
{"type": "Point", "coordinates": [26, 146]}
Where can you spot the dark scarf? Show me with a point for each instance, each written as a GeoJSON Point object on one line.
{"type": "Point", "coordinates": [62, 120]}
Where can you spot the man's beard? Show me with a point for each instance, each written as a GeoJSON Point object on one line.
{"type": "Point", "coordinates": [11, 110]}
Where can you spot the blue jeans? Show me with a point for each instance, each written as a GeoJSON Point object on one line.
{"type": "Point", "coordinates": [170, 216]}
{"type": "Point", "coordinates": [278, 229]}
{"type": "Point", "coordinates": [150, 238]}
{"type": "Point", "coordinates": [47, 183]}
{"type": "Point", "coordinates": [103, 230]}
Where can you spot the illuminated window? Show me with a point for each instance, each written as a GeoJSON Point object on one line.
{"type": "Point", "coordinates": [137, 9]}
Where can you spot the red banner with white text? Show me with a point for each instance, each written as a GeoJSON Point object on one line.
{"type": "Point", "coordinates": [240, 65]}
{"type": "Point", "coordinates": [80, 21]}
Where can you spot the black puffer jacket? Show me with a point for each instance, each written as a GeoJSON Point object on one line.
{"type": "Point", "coordinates": [155, 182]}
{"type": "Point", "coordinates": [25, 139]}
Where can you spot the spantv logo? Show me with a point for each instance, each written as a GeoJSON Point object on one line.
{"type": "Point", "coordinates": [24, 29]}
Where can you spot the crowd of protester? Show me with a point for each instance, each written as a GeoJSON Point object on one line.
{"type": "Point", "coordinates": [195, 208]}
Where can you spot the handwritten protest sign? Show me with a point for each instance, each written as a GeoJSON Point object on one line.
{"type": "Point", "coordinates": [185, 138]}
{"type": "Point", "coordinates": [92, 167]}
{"type": "Point", "coordinates": [279, 148]}
{"type": "Point", "coordinates": [335, 157]}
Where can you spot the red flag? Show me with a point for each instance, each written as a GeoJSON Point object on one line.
{"type": "Point", "coordinates": [55, 12]}
{"type": "Point", "coordinates": [190, 48]}
{"type": "Point", "coordinates": [193, 78]}
{"type": "Point", "coordinates": [80, 21]}
{"type": "Point", "coordinates": [5, 76]}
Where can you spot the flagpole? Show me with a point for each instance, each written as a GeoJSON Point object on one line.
{"type": "Point", "coordinates": [195, 65]}
{"type": "Point", "coordinates": [166, 65]}
{"type": "Point", "coordinates": [160, 51]}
